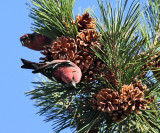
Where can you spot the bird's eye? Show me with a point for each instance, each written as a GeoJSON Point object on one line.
{"type": "Point", "coordinates": [31, 37]}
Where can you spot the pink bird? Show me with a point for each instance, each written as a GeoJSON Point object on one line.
{"type": "Point", "coordinates": [63, 71]}
{"type": "Point", "coordinates": [35, 41]}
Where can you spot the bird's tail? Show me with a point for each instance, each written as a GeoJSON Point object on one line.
{"type": "Point", "coordinates": [29, 65]}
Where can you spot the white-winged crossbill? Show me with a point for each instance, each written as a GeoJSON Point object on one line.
{"type": "Point", "coordinates": [63, 71]}
{"type": "Point", "coordinates": [35, 41]}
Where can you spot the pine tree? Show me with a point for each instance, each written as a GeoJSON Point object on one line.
{"type": "Point", "coordinates": [119, 57]}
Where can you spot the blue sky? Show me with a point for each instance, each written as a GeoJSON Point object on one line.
{"type": "Point", "coordinates": [17, 112]}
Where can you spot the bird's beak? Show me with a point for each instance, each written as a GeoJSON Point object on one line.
{"type": "Point", "coordinates": [73, 84]}
{"type": "Point", "coordinates": [73, 81]}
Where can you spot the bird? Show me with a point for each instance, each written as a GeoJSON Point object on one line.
{"type": "Point", "coordinates": [63, 71]}
{"type": "Point", "coordinates": [35, 41]}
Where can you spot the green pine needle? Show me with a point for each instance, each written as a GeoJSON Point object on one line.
{"type": "Point", "coordinates": [53, 18]}
{"type": "Point", "coordinates": [128, 44]}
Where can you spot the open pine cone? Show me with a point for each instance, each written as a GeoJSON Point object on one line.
{"type": "Point", "coordinates": [142, 87]}
{"type": "Point", "coordinates": [63, 48]}
{"type": "Point", "coordinates": [85, 22]}
{"type": "Point", "coordinates": [89, 65]}
{"type": "Point", "coordinates": [85, 57]}
{"type": "Point", "coordinates": [88, 38]}
{"type": "Point", "coordinates": [120, 105]}
{"type": "Point", "coordinates": [106, 100]}
{"type": "Point", "coordinates": [84, 60]}
{"type": "Point", "coordinates": [132, 98]}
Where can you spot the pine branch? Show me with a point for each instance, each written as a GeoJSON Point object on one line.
{"type": "Point", "coordinates": [53, 18]}
{"type": "Point", "coordinates": [125, 97]}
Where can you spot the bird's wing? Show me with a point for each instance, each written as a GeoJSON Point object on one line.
{"type": "Point", "coordinates": [52, 66]}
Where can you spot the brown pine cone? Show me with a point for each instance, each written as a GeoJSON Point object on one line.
{"type": "Point", "coordinates": [151, 99]}
{"type": "Point", "coordinates": [85, 22]}
{"type": "Point", "coordinates": [85, 57]}
{"type": "Point", "coordinates": [89, 64]}
{"type": "Point", "coordinates": [132, 98]}
{"type": "Point", "coordinates": [85, 61]}
{"type": "Point", "coordinates": [106, 100]}
{"type": "Point", "coordinates": [140, 86]}
{"type": "Point", "coordinates": [87, 39]}
{"type": "Point", "coordinates": [63, 48]}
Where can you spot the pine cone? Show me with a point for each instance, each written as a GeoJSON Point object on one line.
{"type": "Point", "coordinates": [151, 99]}
{"type": "Point", "coordinates": [142, 88]}
{"type": "Point", "coordinates": [85, 57]}
{"type": "Point", "coordinates": [85, 22]}
{"type": "Point", "coordinates": [106, 100]}
{"type": "Point", "coordinates": [87, 39]}
{"type": "Point", "coordinates": [132, 98]}
{"type": "Point", "coordinates": [63, 48]}
{"type": "Point", "coordinates": [86, 63]}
